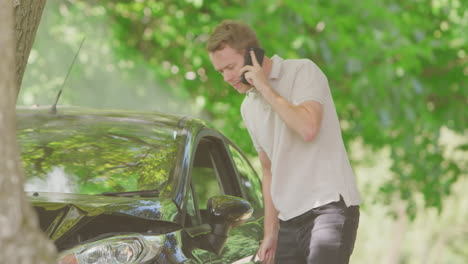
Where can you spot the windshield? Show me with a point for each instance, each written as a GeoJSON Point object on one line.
{"type": "Point", "coordinates": [96, 155]}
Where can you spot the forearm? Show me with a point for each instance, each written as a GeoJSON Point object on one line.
{"type": "Point", "coordinates": [271, 214]}
{"type": "Point", "coordinates": [296, 117]}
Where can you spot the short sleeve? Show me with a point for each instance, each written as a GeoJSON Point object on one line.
{"type": "Point", "coordinates": [310, 84]}
{"type": "Point", "coordinates": [257, 146]}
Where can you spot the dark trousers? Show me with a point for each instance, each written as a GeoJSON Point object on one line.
{"type": "Point", "coordinates": [323, 235]}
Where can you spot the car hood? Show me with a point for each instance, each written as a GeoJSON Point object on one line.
{"type": "Point", "coordinates": [61, 213]}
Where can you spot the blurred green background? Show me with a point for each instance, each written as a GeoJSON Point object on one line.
{"type": "Point", "coordinates": [397, 71]}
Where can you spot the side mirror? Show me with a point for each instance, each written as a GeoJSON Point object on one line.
{"type": "Point", "coordinates": [224, 213]}
{"type": "Point", "coordinates": [228, 210]}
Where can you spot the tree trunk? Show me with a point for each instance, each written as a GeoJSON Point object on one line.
{"type": "Point", "coordinates": [27, 17]}
{"type": "Point", "coordinates": [21, 240]}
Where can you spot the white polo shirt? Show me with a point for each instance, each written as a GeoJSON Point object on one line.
{"type": "Point", "coordinates": [305, 175]}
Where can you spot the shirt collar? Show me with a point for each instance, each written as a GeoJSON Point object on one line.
{"type": "Point", "coordinates": [276, 67]}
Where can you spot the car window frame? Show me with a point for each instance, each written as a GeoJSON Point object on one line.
{"type": "Point", "coordinates": [230, 185]}
{"type": "Point", "coordinates": [244, 157]}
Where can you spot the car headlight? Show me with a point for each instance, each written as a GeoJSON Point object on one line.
{"type": "Point", "coordinates": [121, 249]}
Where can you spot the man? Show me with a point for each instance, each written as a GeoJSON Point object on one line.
{"type": "Point", "coordinates": [310, 195]}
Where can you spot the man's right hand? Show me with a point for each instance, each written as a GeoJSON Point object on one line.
{"type": "Point", "coordinates": [266, 252]}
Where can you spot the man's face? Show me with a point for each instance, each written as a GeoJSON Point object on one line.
{"type": "Point", "coordinates": [228, 62]}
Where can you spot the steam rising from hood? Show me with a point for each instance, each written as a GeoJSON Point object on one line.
{"type": "Point", "coordinates": [56, 181]}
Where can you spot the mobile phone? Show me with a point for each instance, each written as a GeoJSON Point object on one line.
{"type": "Point", "coordinates": [259, 53]}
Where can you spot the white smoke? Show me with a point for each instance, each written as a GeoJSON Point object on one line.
{"type": "Point", "coordinates": [56, 181]}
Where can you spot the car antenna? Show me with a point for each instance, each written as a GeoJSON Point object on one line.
{"type": "Point", "coordinates": [53, 110]}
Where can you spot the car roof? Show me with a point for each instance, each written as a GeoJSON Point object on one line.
{"type": "Point", "coordinates": [173, 121]}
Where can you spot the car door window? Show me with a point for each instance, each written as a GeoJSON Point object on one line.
{"type": "Point", "coordinates": [249, 180]}
{"type": "Point", "coordinates": [206, 184]}
{"type": "Point", "coordinates": [206, 180]}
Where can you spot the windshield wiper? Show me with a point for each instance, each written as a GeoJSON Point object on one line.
{"type": "Point", "coordinates": [145, 193]}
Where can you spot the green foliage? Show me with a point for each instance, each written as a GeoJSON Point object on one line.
{"type": "Point", "coordinates": [396, 68]}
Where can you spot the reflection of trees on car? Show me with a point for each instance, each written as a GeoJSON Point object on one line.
{"type": "Point", "coordinates": [100, 156]}
{"type": "Point", "coordinates": [240, 243]}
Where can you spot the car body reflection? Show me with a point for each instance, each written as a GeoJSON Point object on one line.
{"type": "Point", "coordinates": [160, 188]}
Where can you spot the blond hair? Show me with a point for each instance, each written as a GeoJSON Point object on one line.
{"type": "Point", "coordinates": [233, 33]}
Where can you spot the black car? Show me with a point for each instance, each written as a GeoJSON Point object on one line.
{"type": "Point", "coordinates": [126, 187]}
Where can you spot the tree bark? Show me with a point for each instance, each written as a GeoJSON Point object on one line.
{"type": "Point", "coordinates": [28, 14]}
{"type": "Point", "coordinates": [21, 240]}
